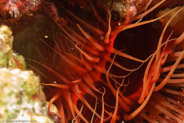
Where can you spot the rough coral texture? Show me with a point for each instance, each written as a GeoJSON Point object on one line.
{"type": "Point", "coordinates": [16, 7]}
{"type": "Point", "coordinates": [21, 99]}
{"type": "Point", "coordinates": [7, 57]}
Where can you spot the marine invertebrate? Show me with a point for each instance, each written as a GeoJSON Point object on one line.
{"type": "Point", "coordinates": [78, 59]}
{"type": "Point", "coordinates": [164, 106]}
{"type": "Point", "coordinates": [168, 101]}
{"type": "Point", "coordinates": [90, 48]}
{"type": "Point", "coordinates": [156, 66]}
{"type": "Point", "coordinates": [88, 68]}
{"type": "Point", "coordinates": [15, 7]}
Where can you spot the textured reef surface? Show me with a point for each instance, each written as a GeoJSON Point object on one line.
{"type": "Point", "coordinates": [22, 98]}
{"type": "Point", "coordinates": [95, 61]}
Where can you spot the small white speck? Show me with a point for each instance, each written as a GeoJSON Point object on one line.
{"type": "Point", "coordinates": [55, 82]}
{"type": "Point", "coordinates": [102, 37]}
{"type": "Point", "coordinates": [73, 49]}
{"type": "Point", "coordinates": [14, 78]}
{"type": "Point", "coordinates": [46, 36]}
{"type": "Point", "coordinates": [40, 119]}
{"type": "Point", "coordinates": [16, 71]}
{"type": "Point", "coordinates": [133, 10]}
{"type": "Point", "coordinates": [24, 75]}
{"type": "Point", "coordinates": [119, 24]}
{"type": "Point", "coordinates": [2, 37]}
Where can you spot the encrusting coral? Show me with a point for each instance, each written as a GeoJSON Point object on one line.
{"type": "Point", "coordinates": [21, 98]}
{"type": "Point", "coordinates": [7, 57]}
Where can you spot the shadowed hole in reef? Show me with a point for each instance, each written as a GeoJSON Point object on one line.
{"type": "Point", "coordinates": [139, 42]}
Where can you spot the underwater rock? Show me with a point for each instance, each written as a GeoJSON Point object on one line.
{"type": "Point", "coordinates": [7, 57]}
{"type": "Point", "coordinates": [21, 99]}
{"type": "Point", "coordinates": [17, 7]}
